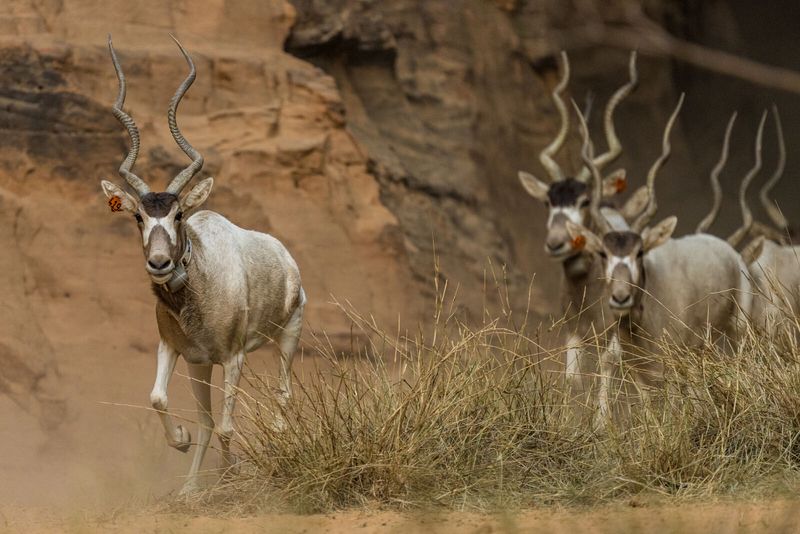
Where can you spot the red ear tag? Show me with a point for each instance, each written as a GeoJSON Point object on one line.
{"type": "Point", "coordinates": [620, 184]}
{"type": "Point", "coordinates": [115, 203]}
{"type": "Point", "coordinates": [578, 242]}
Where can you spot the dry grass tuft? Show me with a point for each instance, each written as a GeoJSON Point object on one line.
{"type": "Point", "coordinates": [479, 418]}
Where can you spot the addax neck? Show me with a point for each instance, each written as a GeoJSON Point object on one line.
{"type": "Point", "coordinates": [179, 277]}
{"type": "Point", "coordinates": [577, 266]}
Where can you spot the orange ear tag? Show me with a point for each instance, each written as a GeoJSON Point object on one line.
{"type": "Point", "coordinates": [620, 184]}
{"type": "Point", "coordinates": [115, 203]}
{"type": "Point", "coordinates": [578, 242]}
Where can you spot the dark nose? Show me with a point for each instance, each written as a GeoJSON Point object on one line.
{"type": "Point", "coordinates": [621, 299]}
{"type": "Point", "coordinates": [554, 242]}
{"type": "Point", "coordinates": [159, 262]}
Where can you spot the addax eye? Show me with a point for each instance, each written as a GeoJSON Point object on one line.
{"type": "Point", "coordinates": [603, 255]}
{"type": "Point", "coordinates": [179, 216]}
{"type": "Point", "coordinates": [585, 203]}
{"type": "Point", "coordinates": [640, 253]}
{"type": "Point", "coordinates": [138, 218]}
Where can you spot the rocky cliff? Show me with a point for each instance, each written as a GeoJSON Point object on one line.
{"type": "Point", "coordinates": [272, 129]}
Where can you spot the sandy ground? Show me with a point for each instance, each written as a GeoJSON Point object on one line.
{"type": "Point", "coordinates": [110, 451]}
{"type": "Point", "coordinates": [723, 517]}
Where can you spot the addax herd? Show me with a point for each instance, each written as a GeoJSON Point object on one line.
{"type": "Point", "coordinates": [630, 286]}
{"type": "Point", "coordinates": [223, 291]}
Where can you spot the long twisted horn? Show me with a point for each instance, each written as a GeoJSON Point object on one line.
{"type": "Point", "coordinates": [772, 210]}
{"type": "Point", "coordinates": [587, 155]}
{"type": "Point", "coordinates": [588, 105]}
{"type": "Point", "coordinates": [183, 178]}
{"type": "Point", "coordinates": [714, 178]}
{"type": "Point", "coordinates": [747, 216]}
{"type": "Point", "coordinates": [546, 155]}
{"type": "Point", "coordinates": [134, 181]}
{"type": "Point", "coordinates": [666, 149]}
{"type": "Point", "coordinates": [614, 145]}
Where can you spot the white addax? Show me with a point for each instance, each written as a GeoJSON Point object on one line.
{"type": "Point", "coordinates": [222, 291]}
{"type": "Point", "coordinates": [775, 264]}
{"type": "Point", "coordinates": [657, 286]}
{"type": "Point", "coordinates": [567, 199]}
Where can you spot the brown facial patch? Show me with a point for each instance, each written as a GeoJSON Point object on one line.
{"type": "Point", "coordinates": [115, 203]}
{"type": "Point", "coordinates": [566, 192]}
{"type": "Point", "coordinates": [158, 204]}
{"type": "Point", "coordinates": [622, 243]}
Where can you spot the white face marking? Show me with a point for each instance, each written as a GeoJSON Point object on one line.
{"type": "Point", "coordinates": [167, 222]}
{"type": "Point", "coordinates": [570, 212]}
{"type": "Point", "coordinates": [613, 261]}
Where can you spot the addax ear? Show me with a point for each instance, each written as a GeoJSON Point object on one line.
{"type": "Point", "coordinates": [615, 183]}
{"type": "Point", "coordinates": [583, 238]}
{"type": "Point", "coordinates": [534, 186]}
{"type": "Point", "coordinates": [118, 199]}
{"type": "Point", "coordinates": [635, 204]}
{"type": "Point", "coordinates": [659, 234]}
{"type": "Point", "coordinates": [197, 195]}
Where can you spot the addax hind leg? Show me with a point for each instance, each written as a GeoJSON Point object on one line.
{"type": "Point", "coordinates": [177, 435]}
{"type": "Point", "coordinates": [200, 376]}
{"type": "Point", "coordinates": [289, 338]}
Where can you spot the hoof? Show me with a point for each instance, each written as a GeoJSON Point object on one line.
{"type": "Point", "coordinates": [182, 439]}
{"type": "Point", "coordinates": [189, 489]}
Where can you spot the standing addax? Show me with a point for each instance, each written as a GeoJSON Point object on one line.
{"type": "Point", "coordinates": [688, 289]}
{"type": "Point", "coordinates": [774, 263]}
{"type": "Point", "coordinates": [567, 199]}
{"type": "Point", "coordinates": [222, 291]}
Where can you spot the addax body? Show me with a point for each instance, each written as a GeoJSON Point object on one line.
{"type": "Point", "coordinates": [657, 286]}
{"type": "Point", "coordinates": [567, 200]}
{"type": "Point", "coordinates": [222, 290]}
{"type": "Point", "coordinates": [774, 264]}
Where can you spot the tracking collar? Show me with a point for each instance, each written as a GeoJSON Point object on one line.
{"type": "Point", "coordinates": [179, 276]}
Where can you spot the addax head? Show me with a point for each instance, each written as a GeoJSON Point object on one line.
{"type": "Point", "coordinates": [623, 252]}
{"type": "Point", "coordinates": [569, 198]}
{"type": "Point", "coordinates": [158, 215]}
{"type": "Point", "coordinates": [622, 255]}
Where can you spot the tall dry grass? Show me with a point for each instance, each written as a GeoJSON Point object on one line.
{"type": "Point", "coordinates": [480, 418]}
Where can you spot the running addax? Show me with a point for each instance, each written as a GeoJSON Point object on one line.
{"type": "Point", "coordinates": [222, 291]}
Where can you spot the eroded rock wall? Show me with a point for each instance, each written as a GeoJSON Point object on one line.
{"type": "Point", "coordinates": [273, 131]}
{"type": "Point", "coordinates": [451, 98]}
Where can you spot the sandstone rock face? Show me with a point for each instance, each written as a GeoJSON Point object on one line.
{"type": "Point", "coordinates": [448, 109]}
{"type": "Point", "coordinates": [30, 376]}
{"type": "Point", "coordinates": [272, 129]}
{"type": "Point", "coordinates": [450, 100]}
